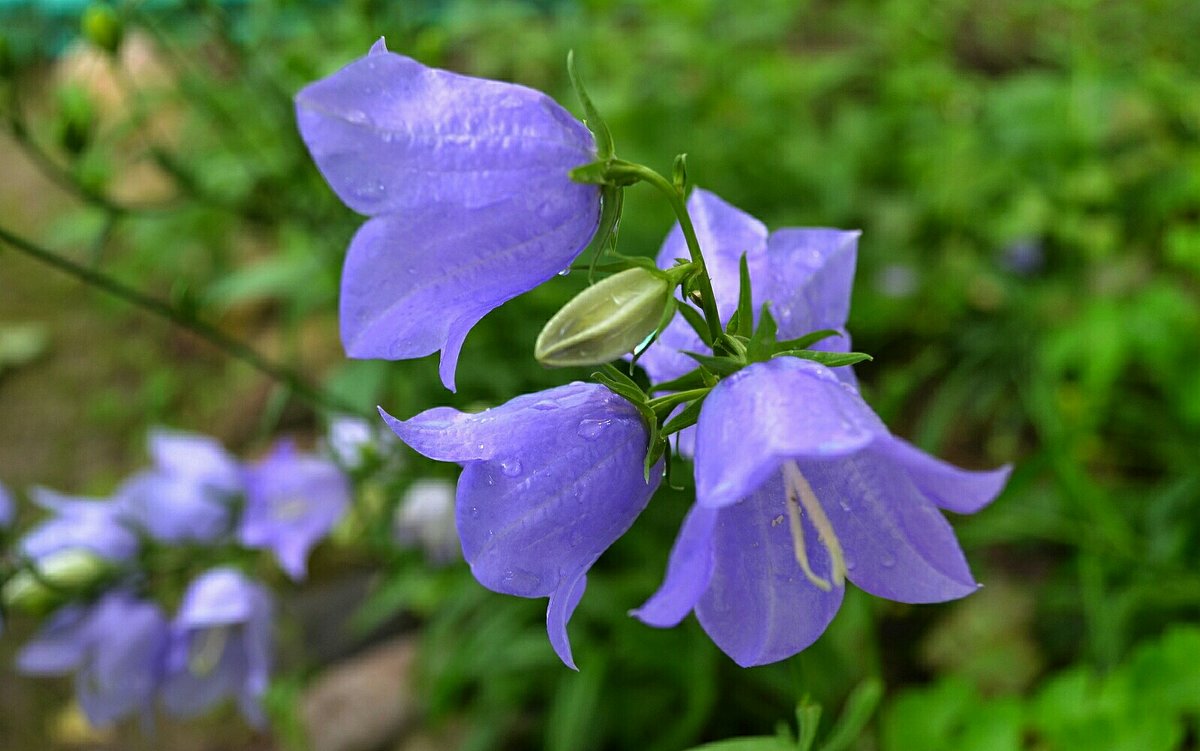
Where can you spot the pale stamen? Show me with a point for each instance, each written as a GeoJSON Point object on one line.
{"type": "Point", "coordinates": [206, 649]}
{"type": "Point", "coordinates": [800, 495]}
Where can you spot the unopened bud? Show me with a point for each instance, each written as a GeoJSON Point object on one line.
{"type": "Point", "coordinates": [57, 575]}
{"type": "Point", "coordinates": [102, 27]}
{"type": "Point", "coordinates": [76, 120]}
{"type": "Point", "coordinates": [605, 321]}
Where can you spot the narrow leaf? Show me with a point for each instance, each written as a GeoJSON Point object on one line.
{"type": "Point", "coordinates": [762, 344]}
{"type": "Point", "coordinates": [685, 419]}
{"type": "Point", "coordinates": [745, 306]}
{"type": "Point", "coordinates": [857, 712]}
{"type": "Point", "coordinates": [604, 140]}
{"type": "Point", "coordinates": [722, 366]}
{"type": "Point", "coordinates": [696, 320]}
{"type": "Point", "coordinates": [828, 359]}
{"type": "Point", "coordinates": [691, 380]}
{"type": "Point", "coordinates": [809, 339]}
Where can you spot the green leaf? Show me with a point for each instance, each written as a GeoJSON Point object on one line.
{"type": "Point", "coordinates": [679, 173]}
{"type": "Point", "coordinates": [858, 710]}
{"type": "Point", "coordinates": [575, 710]}
{"type": "Point", "coordinates": [756, 743]}
{"type": "Point", "coordinates": [806, 341]}
{"type": "Point", "coordinates": [691, 380]}
{"type": "Point", "coordinates": [742, 323]}
{"type": "Point", "coordinates": [762, 344]}
{"type": "Point", "coordinates": [828, 359]}
{"type": "Point", "coordinates": [685, 419]}
{"type": "Point", "coordinates": [696, 320]}
{"type": "Point", "coordinates": [595, 123]}
{"type": "Point", "coordinates": [722, 366]}
{"type": "Point", "coordinates": [808, 719]}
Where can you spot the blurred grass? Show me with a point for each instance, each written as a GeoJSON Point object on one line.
{"type": "Point", "coordinates": [1027, 177]}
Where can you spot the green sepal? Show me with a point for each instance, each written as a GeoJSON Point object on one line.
{"type": "Point", "coordinates": [695, 319]}
{"type": "Point", "coordinates": [612, 201]}
{"type": "Point", "coordinates": [623, 263]}
{"type": "Point", "coordinates": [679, 173]}
{"type": "Point", "coordinates": [693, 379]}
{"type": "Point", "coordinates": [809, 339]}
{"type": "Point", "coordinates": [720, 366]}
{"type": "Point", "coordinates": [625, 387]}
{"type": "Point", "coordinates": [762, 344]}
{"type": "Point", "coordinates": [685, 419]}
{"type": "Point", "coordinates": [742, 321]}
{"type": "Point", "coordinates": [604, 140]}
{"type": "Point", "coordinates": [828, 359]}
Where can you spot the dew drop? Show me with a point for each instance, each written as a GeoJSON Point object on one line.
{"type": "Point", "coordinates": [565, 271]}
{"type": "Point", "coordinates": [591, 428]}
{"type": "Point", "coordinates": [511, 467]}
{"type": "Point", "coordinates": [358, 117]}
{"type": "Point", "coordinates": [474, 512]}
{"type": "Point", "coordinates": [887, 561]}
{"type": "Point", "coordinates": [545, 405]}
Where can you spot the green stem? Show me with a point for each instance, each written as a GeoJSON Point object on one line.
{"type": "Point", "coordinates": [210, 333]}
{"type": "Point", "coordinates": [708, 299]}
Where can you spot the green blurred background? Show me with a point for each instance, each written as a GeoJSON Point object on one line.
{"type": "Point", "coordinates": [1027, 178]}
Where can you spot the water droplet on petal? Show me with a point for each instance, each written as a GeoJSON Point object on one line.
{"type": "Point", "coordinates": [545, 405]}
{"type": "Point", "coordinates": [358, 117]}
{"type": "Point", "coordinates": [565, 271]}
{"type": "Point", "coordinates": [511, 467]}
{"type": "Point", "coordinates": [591, 428]}
{"type": "Point", "coordinates": [887, 561]}
{"type": "Point", "coordinates": [474, 512]}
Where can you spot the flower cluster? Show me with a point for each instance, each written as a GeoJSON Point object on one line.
{"type": "Point", "coordinates": [178, 531]}
{"type": "Point", "coordinates": [478, 191]}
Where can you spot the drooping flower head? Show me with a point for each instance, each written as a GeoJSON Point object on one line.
{"type": "Point", "coordinates": [220, 646]}
{"type": "Point", "coordinates": [95, 525]}
{"type": "Point", "coordinates": [799, 485]}
{"type": "Point", "coordinates": [293, 500]}
{"type": "Point", "coordinates": [188, 495]}
{"type": "Point", "coordinates": [550, 480]}
{"type": "Point", "coordinates": [114, 647]}
{"type": "Point", "coordinates": [465, 183]}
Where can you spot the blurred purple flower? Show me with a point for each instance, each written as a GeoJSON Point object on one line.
{"type": "Point", "coordinates": [1024, 257]}
{"type": "Point", "coordinates": [351, 440]}
{"type": "Point", "coordinates": [799, 486]}
{"type": "Point", "coordinates": [220, 646]}
{"type": "Point", "coordinates": [95, 525]}
{"type": "Point", "coordinates": [550, 480]}
{"type": "Point", "coordinates": [114, 647]}
{"type": "Point", "coordinates": [292, 501]}
{"type": "Point", "coordinates": [188, 495]}
{"type": "Point", "coordinates": [425, 517]}
{"type": "Point", "coordinates": [465, 181]}
{"type": "Point", "coordinates": [8, 509]}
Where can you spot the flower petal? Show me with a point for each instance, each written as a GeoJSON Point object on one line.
{"type": "Point", "coordinates": [417, 282]}
{"type": "Point", "coordinates": [122, 674]}
{"type": "Point", "coordinates": [59, 646]}
{"type": "Point", "coordinates": [391, 135]}
{"type": "Point", "coordinates": [962, 491]}
{"type": "Point", "coordinates": [561, 607]}
{"type": "Point", "coordinates": [759, 606]}
{"type": "Point", "coordinates": [688, 571]}
{"type": "Point", "coordinates": [897, 544]}
{"type": "Point", "coordinates": [811, 273]}
{"type": "Point", "coordinates": [219, 597]}
{"type": "Point", "coordinates": [768, 412]}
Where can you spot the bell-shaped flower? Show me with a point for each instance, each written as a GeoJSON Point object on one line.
{"type": "Point", "coordinates": [804, 274]}
{"type": "Point", "coordinates": [465, 183]}
{"type": "Point", "coordinates": [220, 646]}
{"type": "Point", "coordinates": [115, 648]}
{"type": "Point", "coordinates": [95, 525]}
{"type": "Point", "coordinates": [550, 480]}
{"type": "Point", "coordinates": [189, 493]}
{"type": "Point", "coordinates": [799, 487]}
{"type": "Point", "coordinates": [293, 500]}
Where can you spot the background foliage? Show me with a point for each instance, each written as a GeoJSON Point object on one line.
{"type": "Point", "coordinates": [1027, 177]}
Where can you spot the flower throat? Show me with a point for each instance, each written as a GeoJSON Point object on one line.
{"type": "Point", "coordinates": [800, 495]}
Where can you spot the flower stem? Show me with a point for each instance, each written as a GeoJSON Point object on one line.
{"type": "Point", "coordinates": [708, 299]}
{"type": "Point", "coordinates": [231, 346]}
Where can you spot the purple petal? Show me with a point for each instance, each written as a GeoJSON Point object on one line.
{"type": "Point", "coordinates": [724, 233]}
{"type": "Point", "coordinates": [293, 500]}
{"type": "Point", "coordinates": [417, 282]}
{"type": "Point", "coordinates": [550, 481]}
{"type": "Point", "coordinates": [391, 135]}
{"type": "Point", "coordinates": [897, 544]}
{"type": "Point", "coordinates": [59, 646]}
{"type": "Point", "coordinates": [91, 524]}
{"type": "Point", "coordinates": [563, 602]}
{"type": "Point", "coordinates": [769, 412]}
{"type": "Point", "coordinates": [688, 571]}
{"type": "Point", "coordinates": [219, 597]}
{"type": "Point", "coordinates": [8, 508]}
{"type": "Point", "coordinates": [200, 459]}
{"type": "Point", "coordinates": [123, 672]}
{"type": "Point", "coordinates": [175, 508]}
{"type": "Point", "coordinates": [811, 273]}
{"type": "Point", "coordinates": [959, 490]}
{"type": "Point", "coordinates": [759, 606]}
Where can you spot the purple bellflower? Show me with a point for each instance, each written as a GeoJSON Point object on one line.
{"type": "Point", "coordinates": [220, 646]}
{"type": "Point", "coordinates": [114, 647]}
{"type": "Point", "coordinates": [550, 480]}
{"type": "Point", "coordinates": [292, 501]}
{"type": "Point", "coordinates": [465, 183]}
{"type": "Point", "coordinates": [94, 525]}
{"type": "Point", "coordinates": [799, 485]}
{"type": "Point", "coordinates": [188, 495]}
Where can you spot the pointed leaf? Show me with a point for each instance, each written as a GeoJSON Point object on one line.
{"type": "Point", "coordinates": [595, 123]}
{"type": "Point", "coordinates": [745, 307]}
{"type": "Point", "coordinates": [722, 366]}
{"type": "Point", "coordinates": [828, 359]}
{"type": "Point", "coordinates": [685, 419]}
{"type": "Point", "coordinates": [804, 342]}
{"type": "Point", "coordinates": [693, 380]}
